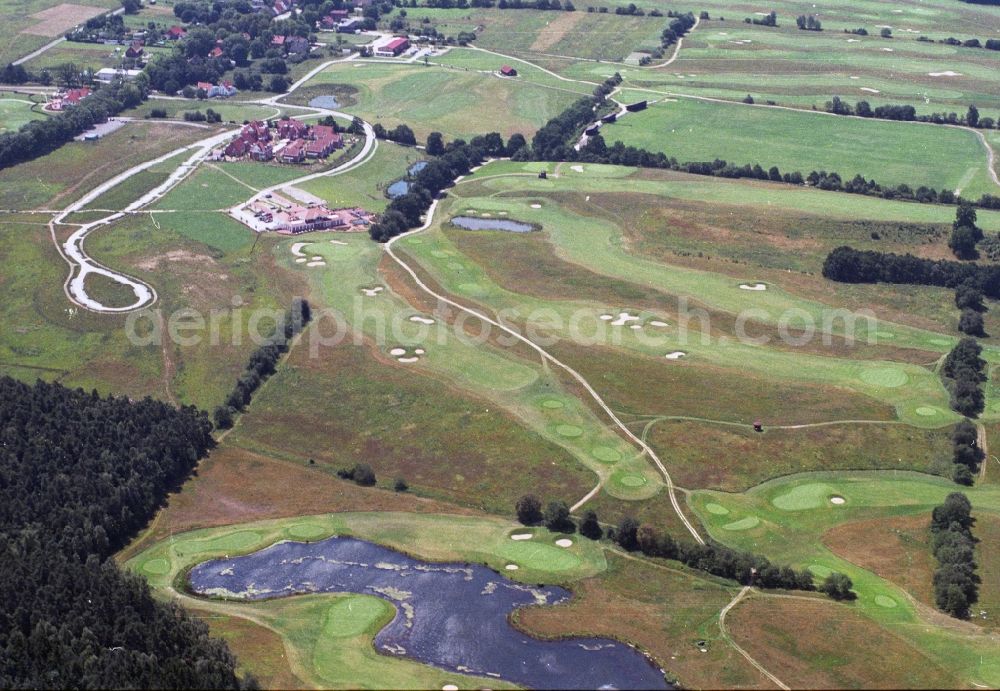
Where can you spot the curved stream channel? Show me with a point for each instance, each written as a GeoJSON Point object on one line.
{"type": "Point", "coordinates": [452, 616]}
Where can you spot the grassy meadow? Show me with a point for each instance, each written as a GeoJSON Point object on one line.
{"type": "Point", "coordinates": [890, 152]}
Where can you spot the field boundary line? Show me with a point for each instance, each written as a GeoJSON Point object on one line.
{"type": "Point", "coordinates": [646, 449]}
{"type": "Point", "coordinates": [725, 634]}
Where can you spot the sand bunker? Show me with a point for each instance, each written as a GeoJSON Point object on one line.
{"type": "Point", "coordinates": [838, 500]}
{"type": "Point", "coordinates": [622, 319]}
{"type": "Point", "coordinates": [300, 260]}
{"type": "Point", "coordinates": [316, 263]}
{"type": "Point", "coordinates": [421, 320]}
{"type": "Point", "coordinates": [676, 355]}
{"type": "Point", "coordinates": [297, 248]}
{"type": "Point", "coordinates": [512, 567]}
{"type": "Point", "coordinates": [536, 206]}
{"type": "Point", "coordinates": [853, 77]}
{"type": "Point", "coordinates": [753, 286]}
{"type": "Point", "coordinates": [948, 73]}
{"type": "Point", "coordinates": [887, 50]}
{"type": "Point", "coordinates": [408, 360]}
{"type": "Point", "coordinates": [419, 351]}
{"type": "Point", "coordinates": [563, 542]}
{"type": "Point", "coordinates": [521, 536]}
{"type": "Point", "coordinates": [337, 242]}
{"type": "Point", "coordinates": [636, 326]}
{"type": "Point", "coordinates": [372, 292]}
{"type": "Point", "coordinates": [853, 40]}
{"type": "Point", "coordinates": [657, 322]}
{"type": "Point", "coordinates": [317, 258]}
{"type": "Point", "coordinates": [578, 169]}
{"type": "Point", "coordinates": [870, 90]}
{"type": "Point", "coordinates": [396, 352]}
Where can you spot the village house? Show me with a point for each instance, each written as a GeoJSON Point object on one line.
{"type": "Point", "coordinates": [350, 26]}
{"type": "Point", "coordinates": [261, 151]}
{"type": "Point", "coordinates": [297, 45]}
{"type": "Point", "coordinates": [393, 48]}
{"type": "Point", "coordinates": [290, 128]}
{"type": "Point", "coordinates": [69, 99]}
{"type": "Point", "coordinates": [294, 152]}
{"type": "Point", "coordinates": [134, 51]}
{"type": "Point", "coordinates": [278, 41]}
{"type": "Point", "coordinates": [508, 71]}
{"type": "Point", "coordinates": [174, 33]}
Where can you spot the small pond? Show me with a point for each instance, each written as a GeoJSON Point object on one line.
{"type": "Point", "coordinates": [398, 189]}
{"type": "Point", "coordinates": [452, 616]}
{"type": "Point", "coordinates": [504, 224]}
{"type": "Point", "coordinates": [416, 168]}
{"type": "Point", "coordinates": [326, 101]}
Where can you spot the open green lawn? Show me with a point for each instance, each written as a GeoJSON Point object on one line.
{"type": "Point", "coordinates": [784, 519]}
{"type": "Point", "coordinates": [231, 111]}
{"type": "Point", "coordinates": [92, 56]}
{"type": "Point", "coordinates": [890, 152]}
{"type": "Point", "coordinates": [365, 186]}
{"type": "Point", "coordinates": [17, 110]}
{"type": "Point", "coordinates": [465, 103]}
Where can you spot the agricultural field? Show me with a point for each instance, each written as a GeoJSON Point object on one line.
{"type": "Point", "coordinates": [391, 94]}
{"type": "Point", "coordinates": [893, 153]}
{"type": "Point", "coordinates": [92, 56]}
{"type": "Point", "coordinates": [30, 24]}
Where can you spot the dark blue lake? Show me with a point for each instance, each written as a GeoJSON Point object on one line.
{"type": "Point", "coordinates": [416, 167]}
{"type": "Point", "coordinates": [452, 616]}
{"type": "Point", "coordinates": [398, 189]}
{"type": "Point", "coordinates": [504, 224]}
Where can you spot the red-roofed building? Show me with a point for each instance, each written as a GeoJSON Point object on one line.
{"type": "Point", "coordinates": [175, 32]}
{"type": "Point", "coordinates": [261, 151]}
{"type": "Point", "coordinates": [290, 128]}
{"type": "Point", "coordinates": [393, 48]}
{"type": "Point", "coordinates": [74, 96]}
{"type": "Point", "coordinates": [508, 71]}
{"type": "Point", "coordinates": [278, 41]}
{"type": "Point", "coordinates": [135, 50]}
{"type": "Point", "coordinates": [215, 52]}
{"type": "Point", "coordinates": [322, 146]}
{"type": "Point", "coordinates": [205, 86]}
{"type": "Point", "coordinates": [237, 148]}
{"type": "Point", "coordinates": [321, 131]}
{"type": "Point", "coordinates": [256, 131]}
{"type": "Point", "coordinates": [294, 152]}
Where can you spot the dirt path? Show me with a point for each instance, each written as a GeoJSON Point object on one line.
{"type": "Point", "coordinates": [982, 444]}
{"type": "Point", "coordinates": [725, 634]}
{"type": "Point", "coordinates": [169, 368]}
{"type": "Point", "coordinates": [646, 449]}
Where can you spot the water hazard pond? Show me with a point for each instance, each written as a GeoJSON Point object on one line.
{"type": "Point", "coordinates": [470, 223]}
{"type": "Point", "coordinates": [452, 616]}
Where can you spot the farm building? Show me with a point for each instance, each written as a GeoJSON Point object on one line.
{"type": "Point", "coordinates": [508, 71]}
{"type": "Point", "coordinates": [636, 107]}
{"type": "Point", "coordinates": [108, 75]}
{"type": "Point", "coordinates": [393, 48]}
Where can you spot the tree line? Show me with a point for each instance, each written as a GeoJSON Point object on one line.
{"type": "Point", "coordinates": [40, 137]}
{"type": "Point", "coordinates": [79, 476]}
{"type": "Point", "coordinates": [449, 162]}
{"type": "Point", "coordinates": [713, 558]}
{"type": "Point", "coordinates": [263, 362]}
{"type": "Point", "coordinates": [907, 113]}
{"type": "Point", "coordinates": [966, 454]}
{"type": "Point", "coordinates": [956, 583]}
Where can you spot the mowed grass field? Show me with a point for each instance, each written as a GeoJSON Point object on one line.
{"type": "Point", "coordinates": [463, 101]}
{"type": "Point", "coordinates": [890, 152]}
{"type": "Point", "coordinates": [17, 110]}
{"type": "Point", "coordinates": [786, 518]}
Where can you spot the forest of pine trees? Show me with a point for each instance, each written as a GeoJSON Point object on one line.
{"type": "Point", "coordinates": [79, 476]}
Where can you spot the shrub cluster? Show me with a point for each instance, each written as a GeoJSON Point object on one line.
{"type": "Point", "coordinates": [963, 372]}
{"type": "Point", "coordinates": [956, 583]}
{"type": "Point", "coordinates": [263, 362]}
{"type": "Point", "coordinates": [848, 265]}
{"type": "Point", "coordinates": [363, 475]}
{"type": "Point", "coordinates": [966, 453]}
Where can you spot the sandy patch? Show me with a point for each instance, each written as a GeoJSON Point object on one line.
{"type": "Point", "coordinates": [657, 322]}
{"type": "Point", "coordinates": [317, 258]}
{"type": "Point", "coordinates": [511, 567]}
{"type": "Point", "coordinates": [853, 77]}
{"type": "Point", "coordinates": [175, 256]}
{"type": "Point", "coordinates": [396, 352]}
{"type": "Point", "coordinates": [408, 360]}
{"type": "Point", "coordinates": [578, 169]}
{"type": "Point", "coordinates": [337, 242]}
{"type": "Point", "coordinates": [636, 326]}
{"type": "Point", "coordinates": [622, 319]}
{"type": "Point", "coordinates": [536, 206]}
{"type": "Point", "coordinates": [853, 40]}
{"type": "Point", "coordinates": [887, 50]}
{"type": "Point", "coordinates": [419, 351]}
{"type": "Point", "coordinates": [314, 263]}
{"type": "Point", "coordinates": [676, 355]}
{"type": "Point", "coordinates": [301, 260]}
{"type": "Point", "coordinates": [556, 30]}
{"type": "Point", "coordinates": [564, 542]}
{"type": "Point", "coordinates": [947, 73]}
{"type": "Point", "coordinates": [57, 20]}
{"type": "Point", "coordinates": [372, 292]}
{"type": "Point", "coordinates": [870, 90]}
{"type": "Point", "coordinates": [753, 286]}
{"type": "Point", "coordinates": [521, 536]}
{"type": "Point", "coordinates": [297, 248]}
{"type": "Point", "coordinates": [421, 320]}
{"type": "Point", "coordinates": [837, 500]}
